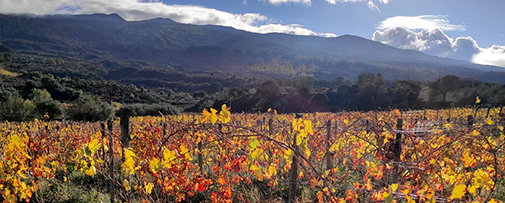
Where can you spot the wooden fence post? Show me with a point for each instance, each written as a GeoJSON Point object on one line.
{"type": "Point", "coordinates": [111, 164]}
{"type": "Point", "coordinates": [470, 122]}
{"type": "Point", "coordinates": [263, 127]}
{"type": "Point", "coordinates": [329, 155]}
{"type": "Point", "coordinates": [270, 126]}
{"type": "Point", "coordinates": [125, 134]}
{"type": "Point", "coordinates": [293, 172]}
{"type": "Point", "coordinates": [102, 129]}
{"type": "Point", "coordinates": [270, 133]}
{"type": "Point", "coordinates": [398, 149]}
{"type": "Point", "coordinates": [164, 129]}
{"type": "Point", "coordinates": [449, 119]}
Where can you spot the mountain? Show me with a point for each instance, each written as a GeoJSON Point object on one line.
{"type": "Point", "coordinates": [161, 50]}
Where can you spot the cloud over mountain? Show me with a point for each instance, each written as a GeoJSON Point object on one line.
{"type": "Point", "coordinates": [436, 42]}
{"type": "Point", "coordinates": [135, 10]}
{"type": "Point", "coordinates": [420, 22]}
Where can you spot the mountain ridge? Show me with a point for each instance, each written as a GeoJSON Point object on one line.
{"type": "Point", "coordinates": [165, 44]}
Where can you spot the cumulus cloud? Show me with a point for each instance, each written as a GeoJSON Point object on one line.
{"type": "Point", "coordinates": [436, 42]}
{"type": "Point", "coordinates": [135, 10]}
{"type": "Point", "coordinates": [494, 55]}
{"type": "Point", "coordinates": [420, 22]}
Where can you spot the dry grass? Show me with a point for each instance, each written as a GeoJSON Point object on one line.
{"type": "Point", "coordinates": [7, 73]}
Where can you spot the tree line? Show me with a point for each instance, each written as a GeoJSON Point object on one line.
{"type": "Point", "coordinates": [43, 96]}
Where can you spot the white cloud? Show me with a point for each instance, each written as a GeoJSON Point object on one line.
{"type": "Point", "coordinates": [135, 10]}
{"type": "Point", "coordinates": [327, 35]}
{"type": "Point", "coordinates": [420, 22]}
{"type": "Point", "coordinates": [370, 3]}
{"type": "Point", "coordinates": [436, 42]}
{"type": "Point", "coordinates": [277, 2]}
{"type": "Point", "coordinates": [494, 55]}
{"type": "Point", "coordinates": [372, 6]}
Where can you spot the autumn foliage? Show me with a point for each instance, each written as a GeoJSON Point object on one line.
{"type": "Point", "coordinates": [221, 157]}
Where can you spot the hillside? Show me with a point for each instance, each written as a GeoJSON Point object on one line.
{"type": "Point", "coordinates": [160, 52]}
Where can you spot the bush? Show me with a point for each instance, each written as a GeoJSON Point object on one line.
{"type": "Point", "coordinates": [17, 109]}
{"type": "Point", "coordinates": [89, 108]}
{"type": "Point", "coordinates": [46, 105]}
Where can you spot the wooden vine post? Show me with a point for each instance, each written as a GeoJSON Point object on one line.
{"type": "Point", "coordinates": [102, 129]}
{"type": "Point", "coordinates": [270, 133]}
{"type": "Point", "coordinates": [293, 173]}
{"type": "Point", "coordinates": [470, 122]}
{"type": "Point", "coordinates": [329, 155]}
{"type": "Point", "coordinates": [111, 163]}
{"type": "Point", "coordinates": [125, 129]}
{"type": "Point", "coordinates": [125, 140]}
{"type": "Point", "coordinates": [398, 149]}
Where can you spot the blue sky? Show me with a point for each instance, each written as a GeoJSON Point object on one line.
{"type": "Point", "coordinates": [462, 29]}
{"type": "Point", "coordinates": [483, 20]}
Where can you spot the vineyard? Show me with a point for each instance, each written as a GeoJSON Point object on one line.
{"type": "Point", "coordinates": [453, 155]}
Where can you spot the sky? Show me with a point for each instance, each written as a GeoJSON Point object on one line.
{"type": "Point", "coordinates": [461, 29]}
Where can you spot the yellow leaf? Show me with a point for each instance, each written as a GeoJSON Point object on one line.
{"type": "Point", "coordinates": [149, 187]}
{"type": "Point", "coordinates": [288, 156]}
{"type": "Point", "coordinates": [385, 194]}
{"type": "Point", "coordinates": [458, 192]}
{"type": "Point", "coordinates": [256, 153]}
{"type": "Point", "coordinates": [468, 159]}
{"type": "Point", "coordinates": [213, 116]}
{"type": "Point", "coordinates": [477, 100]}
{"type": "Point", "coordinates": [253, 143]}
{"type": "Point", "coordinates": [472, 189]}
{"type": "Point", "coordinates": [475, 133]}
{"type": "Point", "coordinates": [406, 191]}
{"type": "Point", "coordinates": [494, 201]}
{"type": "Point", "coordinates": [168, 157]}
{"type": "Point", "coordinates": [256, 171]}
{"type": "Point", "coordinates": [185, 152]}
{"type": "Point", "coordinates": [306, 152]}
{"type": "Point", "coordinates": [409, 199]}
{"type": "Point", "coordinates": [94, 145]}
{"type": "Point", "coordinates": [206, 115]}
{"type": "Point", "coordinates": [394, 187]}
{"type": "Point", "coordinates": [225, 114]}
{"type": "Point", "coordinates": [126, 185]}
{"type": "Point", "coordinates": [272, 170]}
{"type": "Point", "coordinates": [129, 161]}
{"type": "Point", "coordinates": [489, 121]}
{"type": "Point", "coordinates": [368, 184]}
{"type": "Point", "coordinates": [154, 165]}
{"type": "Point", "coordinates": [308, 126]}
{"type": "Point", "coordinates": [91, 171]}
{"type": "Point", "coordinates": [128, 164]}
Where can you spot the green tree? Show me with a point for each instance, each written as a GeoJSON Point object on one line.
{"type": "Point", "coordinates": [89, 108]}
{"type": "Point", "coordinates": [46, 105]}
{"type": "Point", "coordinates": [16, 109]}
{"type": "Point", "coordinates": [445, 85]}
{"type": "Point", "coordinates": [305, 84]}
{"type": "Point", "coordinates": [373, 85]}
